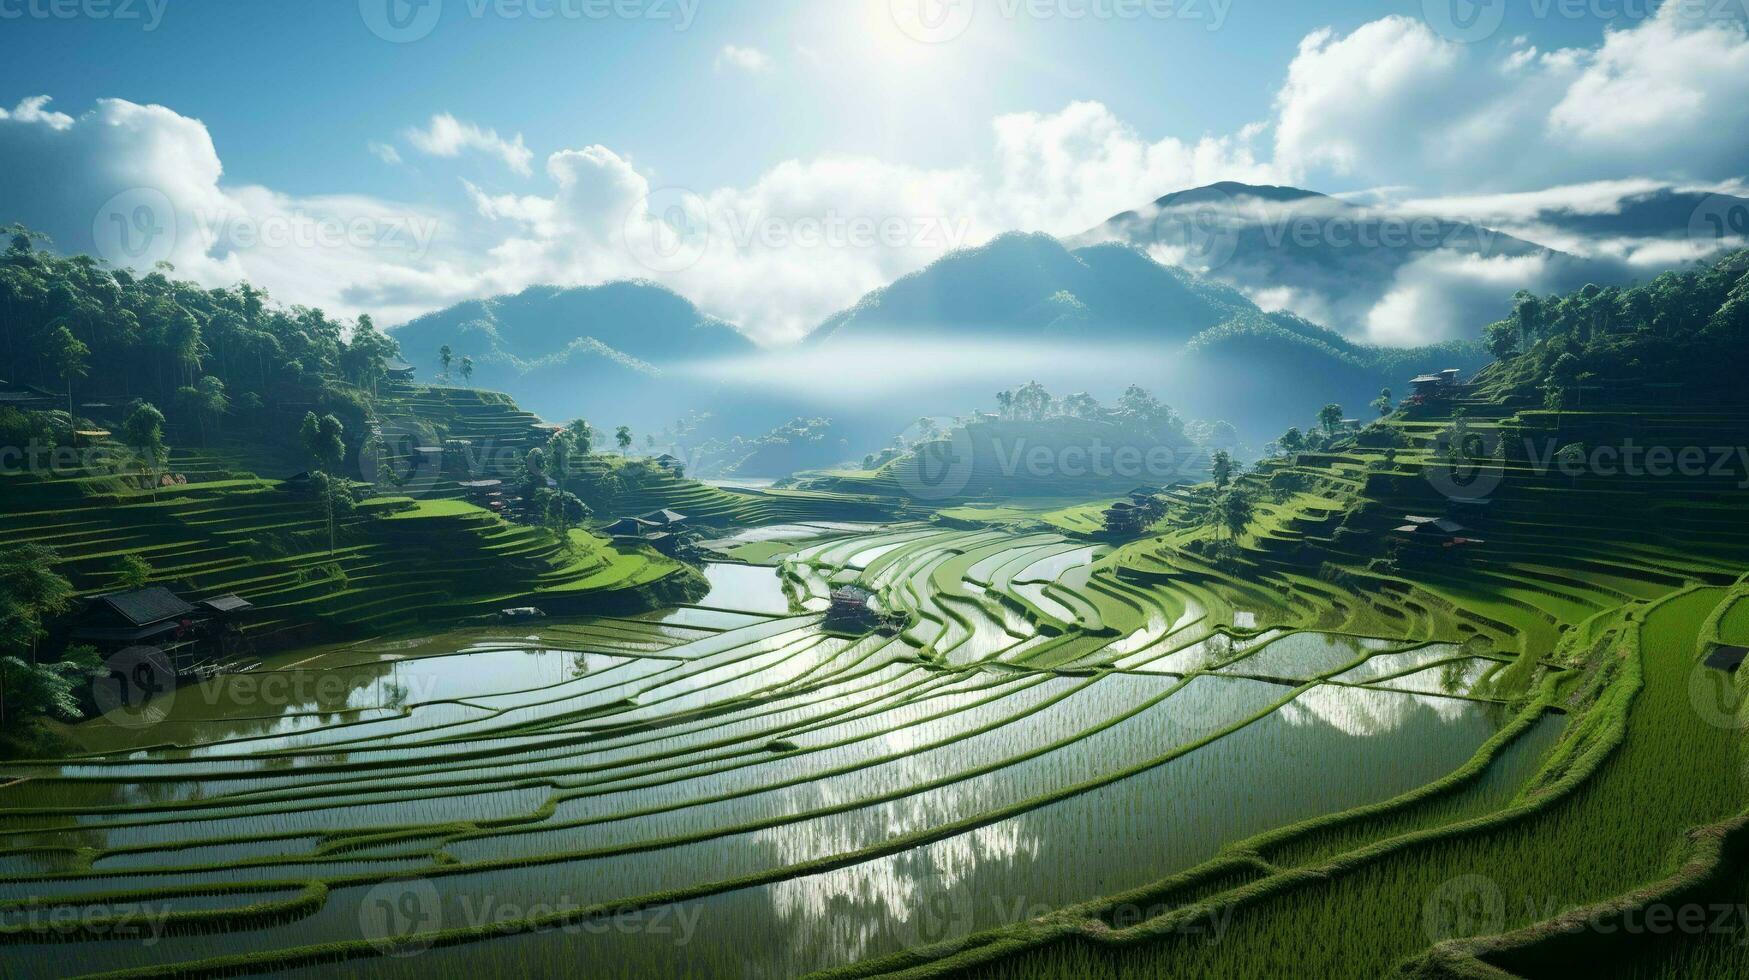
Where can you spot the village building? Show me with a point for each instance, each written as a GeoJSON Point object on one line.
{"type": "Point", "coordinates": [152, 616]}
{"type": "Point", "coordinates": [850, 600]}
{"type": "Point", "coordinates": [1437, 530]}
{"type": "Point", "coordinates": [397, 369]}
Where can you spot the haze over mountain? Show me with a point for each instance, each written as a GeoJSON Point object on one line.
{"type": "Point", "coordinates": [598, 352]}
{"type": "Point", "coordinates": [1202, 295]}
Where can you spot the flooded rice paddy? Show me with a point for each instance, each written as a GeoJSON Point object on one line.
{"type": "Point", "coordinates": [732, 789]}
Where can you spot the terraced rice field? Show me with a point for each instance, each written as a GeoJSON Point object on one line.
{"type": "Point", "coordinates": [1057, 747]}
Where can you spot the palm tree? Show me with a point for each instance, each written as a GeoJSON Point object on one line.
{"type": "Point", "coordinates": [467, 369]}
{"type": "Point", "coordinates": [443, 356]}
{"type": "Point", "coordinates": [68, 355]}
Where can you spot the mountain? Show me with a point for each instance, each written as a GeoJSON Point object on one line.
{"type": "Point", "coordinates": [1199, 345]}
{"type": "Point", "coordinates": [1301, 250]}
{"type": "Point", "coordinates": [600, 352]}
{"type": "Point", "coordinates": [1663, 212]}
{"type": "Point", "coordinates": [1029, 287]}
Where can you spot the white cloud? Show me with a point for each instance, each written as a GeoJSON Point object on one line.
{"type": "Point", "coordinates": [136, 185]}
{"type": "Point", "coordinates": [448, 136]}
{"type": "Point", "coordinates": [1668, 97]}
{"type": "Point", "coordinates": [750, 60]}
{"type": "Point", "coordinates": [1505, 135]}
{"type": "Point", "coordinates": [384, 152]}
{"type": "Point", "coordinates": [31, 110]}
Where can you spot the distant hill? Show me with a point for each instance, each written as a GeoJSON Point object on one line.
{"type": "Point", "coordinates": [1217, 354]}
{"type": "Point", "coordinates": [599, 352]}
{"type": "Point", "coordinates": [1307, 250]}
{"type": "Point", "coordinates": [1030, 287]}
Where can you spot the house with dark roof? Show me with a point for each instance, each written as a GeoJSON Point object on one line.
{"type": "Point", "coordinates": [664, 518]}
{"type": "Point", "coordinates": [628, 527]}
{"type": "Point", "coordinates": [1436, 530]}
{"type": "Point", "coordinates": [397, 369]}
{"type": "Point", "coordinates": [153, 615]}
{"type": "Point", "coordinates": [850, 600]}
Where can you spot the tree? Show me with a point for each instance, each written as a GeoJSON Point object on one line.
{"type": "Point", "coordinates": [467, 369]}
{"type": "Point", "coordinates": [1232, 512]}
{"type": "Point", "coordinates": [323, 440]}
{"type": "Point", "coordinates": [1221, 465]}
{"type": "Point", "coordinates": [1501, 338]}
{"type": "Point", "coordinates": [1330, 418]}
{"type": "Point", "coordinates": [1383, 403]}
{"type": "Point", "coordinates": [561, 448]}
{"type": "Point", "coordinates": [1081, 405]}
{"type": "Point", "coordinates": [367, 355]}
{"type": "Point", "coordinates": [70, 358]}
{"type": "Point", "coordinates": [1572, 458]}
{"type": "Point", "coordinates": [1563, 375]}
{"type": "Point", "coordinates": [135, 572]}
{"type": "Point", "coordinates": [334, 498]}
{"type": "Point", "coordinates": [205, 400]}
{"type": "Point", "coordinates": [1005, 404]}
{"type": "Point", "coordinates": [560, 511]}
{"type": "Point", "coordinates": [31, 592]}
{"type": "Point", "coordinates": [444, 355]}
{"type": "Point", "coordinates": [582, 435]}
{"type": "Point", "coordinates": [1292, 441]}
{"type": "Point", "coordinates": [623, 437]}
{"type": "Point", "coordinates": [143, 432]}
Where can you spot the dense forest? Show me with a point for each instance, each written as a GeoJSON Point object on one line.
{"type": "Point", "coordinates": [99, 334]}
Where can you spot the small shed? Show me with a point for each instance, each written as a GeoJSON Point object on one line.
{"type": "Point", "coordinates": [227, 605]}
{"type": "Point", "coordinates": [397, 369]}
{"type": "Point", "coordinates": [663, 518]}
{"type": "Point", "coordinates": [850, 600]}
{"type": "Point", "coordinates": [628, 527]}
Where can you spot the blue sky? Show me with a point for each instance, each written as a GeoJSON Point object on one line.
{"type": "Point", "coordinates": [294, 91]}
{"type": "Point", "coordinates": [396, 156]}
